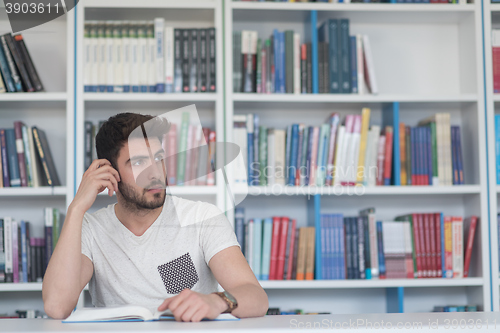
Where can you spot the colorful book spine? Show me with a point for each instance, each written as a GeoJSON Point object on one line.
{"type": "Point", "coordinates": [267, 234]}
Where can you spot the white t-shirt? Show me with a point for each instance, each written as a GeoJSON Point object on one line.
{"type": "Point", "coordinates": [171, 255]}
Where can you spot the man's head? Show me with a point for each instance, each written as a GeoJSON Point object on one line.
{"type": "Point", "coordinates": [132, 143]}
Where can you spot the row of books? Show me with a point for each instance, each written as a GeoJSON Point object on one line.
{"type": "Point", "coordinates": [147, 56]}
{"type": "Point", "coordinates": [372, 1]}
{"type": "Point", "coordinates": [455, 308]}
{"type": "Point", "coordinates": [17, 71]}
{"type": "Point", "coordinates": [24, 258]}
{"type": "Point", "coordinates": [184, 164]}
{"type": "Point", "coordinates": [29, 314]}
{"type": "Point", "coordinates": [25, 158]}
{"type": "Point", "coordinates": [351, 153]}
{"type": "Point", "coordinates": [281, 64]}
{"type": "Point", "coordinates": [420, 245]}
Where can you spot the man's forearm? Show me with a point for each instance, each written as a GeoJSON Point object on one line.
{"type": "Point", "coordinates": [62, 284]}
{"type": "Point", "coordinates": [252, 301]}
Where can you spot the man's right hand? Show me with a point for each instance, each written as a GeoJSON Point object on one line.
{"type": "Point", "coordinates": [99, 176]}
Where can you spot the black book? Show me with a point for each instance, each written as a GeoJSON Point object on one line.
{"type": "Point", "coordinates": [321, 70]}
{"type": "Point", "coordinates": [28, 86]}
{"type": "Point", "coordinates": [32, 262]}
{"type": "Point", "coordinates": [39, 259]}
{"type": "Point", "coordinates": [45, 157]}
{"type": "Point", "coordinates": [202, 60]}
{"type": "Point", "coordinates": [2, 252]}
{"type": "Point", "coordinates": [185, 60]}
{"type": "Point", "coordinates": [178, 60]}
{"type": "Point", "coordinates": [30, 67]}
{"type": "Point", "coordinates": [28, 252]}
{"type": "Point", "coordinates": [211, 77]}
{"type": "Point", "coordinates": [193, 60]}
{"type": "Point", "coordinates": [11, 64]}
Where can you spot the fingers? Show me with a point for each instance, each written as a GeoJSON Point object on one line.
{"type": "Point", "coordinates": [165, 304]}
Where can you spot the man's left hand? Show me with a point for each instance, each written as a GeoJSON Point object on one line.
{"type": "Point", "coordinates": [192, 306]}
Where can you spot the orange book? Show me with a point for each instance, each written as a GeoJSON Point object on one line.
{"type": "Point", "coordinates": [311, 236]}
{"type": "Point", "coordinates": [448, 256]}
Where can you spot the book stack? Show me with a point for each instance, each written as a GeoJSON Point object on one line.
{"type": "Point", "coordinates": [147, 56]}
{"type": "Point", "coordinates": [349, 153]}
{"type": "Point", "coordinates": [455, 308]}
{"type": "Point", "coordinates": [17, 71]}
{"type": "Point", "coordinates": [185, 165]}
{"type": "Point", "coordinates": [24, 258]}
{"type": "Point", "coordinates": [337, 247]}
{"type": "Point", "coordinates": [281, 64]}
{"type": "Point", "coordinates": [26, 160]}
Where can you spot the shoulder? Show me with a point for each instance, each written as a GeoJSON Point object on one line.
{"type": "Point", "coordinates": [98, 217]}
{"type": "Point", "coordinates": [194, 212]}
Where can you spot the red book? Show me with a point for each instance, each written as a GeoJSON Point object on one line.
{"type": "Point", "coordinates": [470, 225]}
{"type": "Point", "coordinates": [211, 157]}
{"type": "Point", "coordinates": [495, 42]}
{"type": "Point", "coordinates": [439, 258]}
{"type": "Point", "coordinates": [291, 253]}
{"type": "Point", "coordinates": [282, 247]}
{"type": "Point", "coordinates": [388, 155]}
{"type": "Point", "coordinates": [273, 265]}
{"type": "Point", "coordinates": [20, 153]}
{"type": "Point", "coordinates": [380, 160]}
{"type": "Point", "coordinates": [448, 254]}
{"type": "Point", "coordinates": [432, 232]}
{"type": "Point", "coordinates": [416, 240]}
{"type": "Point", "coordinates": [427, 248]}
{"type": "Point", "coordinates": [421, 241]}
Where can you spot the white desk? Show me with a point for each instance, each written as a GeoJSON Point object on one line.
{"type": "Point", "coordinates": [419, 322]}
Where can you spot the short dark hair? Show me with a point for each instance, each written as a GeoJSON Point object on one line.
{"type": "Point", "coordinates": [115, 132]}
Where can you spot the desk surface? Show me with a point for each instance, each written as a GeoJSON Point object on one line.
{"type": "Point", "coordinates": [418, 322]}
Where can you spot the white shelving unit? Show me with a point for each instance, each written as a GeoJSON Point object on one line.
{"type": "Point", "coordinates": [492, 21]}
{"type": "Point", "coordinates": [429, 59]}
{"type": "Point", "coordinates": [51, 48]}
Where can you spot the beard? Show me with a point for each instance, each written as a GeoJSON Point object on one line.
{"type": "Point", "coordinates": [134, 201]}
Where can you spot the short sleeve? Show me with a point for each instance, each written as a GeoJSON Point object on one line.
{"type": "Point", "coordinates": [87, 238]}
{"type": "Point", "coordinates": [216, 233]}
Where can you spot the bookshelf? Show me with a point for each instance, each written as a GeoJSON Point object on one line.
{"type": "Point", "coordinates": [404, 38]}
{"type": "Point", "coordinates": [401, 35]}
{"type": "Point", "coordinates": [492, 21]}
{"type": "Point", "coordinates": [51, 48]}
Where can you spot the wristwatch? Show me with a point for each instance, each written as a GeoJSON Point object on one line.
{"type": "Point", "coordinates": [229, 299]}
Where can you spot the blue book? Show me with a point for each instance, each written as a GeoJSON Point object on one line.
{"type": "Point", "coordinates": [381, 259]}
{"type": "Point", "coordinates": [459, 157]}
{"type": "Point", "coordinates": [24, 253]}
{"type": "Point", "coordinates": [354, 65]}
{"type": "Point", "coordinates": [454, 163]}
{"type": "Point", "coordinates": [10, 138]}
{"type": "Point", "coordinates": [277, 68]}
{"type": "Point", "coordinates": [422, 154]}
{"type": "Point", "coordinates": [294, 146]}
{"type": "Point", "coordinates": [288, 143]}
{"type": "Point", "coordinates": [333, 254]}
{"type": "Point", "coordinates": [282, 77]}
{"type": "Point", "coordinates": [4, 159]}
{"type": "Point", "coordinates": [239, 226]}
{"type": "Point", "coordinates": [355, 249]}
{"type": "Point", "coordinates": [267, 233]}
{"type": "Point", "coordinates": [257, 248]}
{"type": "Point", "coordinates": [309, 150]}
{"type": "Point", "coordinates": [7, 76]}
{"type": "Point", "coordinates": [328, 267]}
{"type": "Point", "coordinates": [497, 146]}
{"type": "Point", "coordinates": [344, 57]}
{"type": "Point", "coordinates": [341, 259]}
{"type": "Point", "coordinates": [390, 117]}
{"type": "Point", "coordinates": [324, 255]}
{"type": "Point", "coordinates": [348, 247]}
{"type": "Point", "coordinates": [414, 164]}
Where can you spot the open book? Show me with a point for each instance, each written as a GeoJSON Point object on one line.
{"type": "Point", "coordinates": [126, 313]}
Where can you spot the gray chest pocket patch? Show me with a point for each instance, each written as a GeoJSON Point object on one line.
{"type": "Point", "coordinates": [178, 274]}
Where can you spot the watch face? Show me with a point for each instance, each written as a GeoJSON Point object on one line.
{"type": "Point", "coordinates": [230, 297]}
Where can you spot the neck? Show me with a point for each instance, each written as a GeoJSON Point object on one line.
{"type": "Point", "coordinates": [134, 219]}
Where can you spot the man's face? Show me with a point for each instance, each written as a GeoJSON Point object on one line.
{"type": "Point", "coordinates": [141, 168]}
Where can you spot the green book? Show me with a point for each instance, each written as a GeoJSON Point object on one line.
{"type": "Point", "coordinates": [181, 162]}
{"type": "Point", "coordinates": [263, 155]}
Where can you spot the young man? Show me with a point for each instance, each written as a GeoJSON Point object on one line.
{"type": "Point", "coordinates": [148, 249]}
